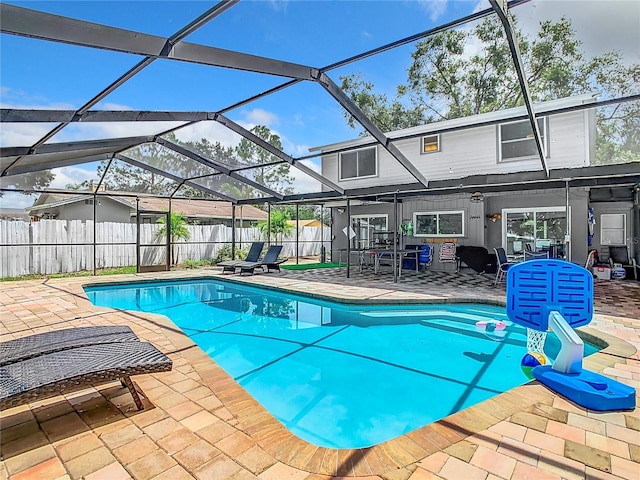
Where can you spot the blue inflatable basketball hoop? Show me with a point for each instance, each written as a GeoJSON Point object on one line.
{"type": "Point", "coordinates": [556, 294]}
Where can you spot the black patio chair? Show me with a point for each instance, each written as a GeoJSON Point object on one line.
{"type": "Point", "coordinates": [268, 263]}
{"type": "Point", "coordinates": [252, 256]}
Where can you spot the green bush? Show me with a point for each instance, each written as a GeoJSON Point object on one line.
{"type": "Point", "coordinates": [224, 254]}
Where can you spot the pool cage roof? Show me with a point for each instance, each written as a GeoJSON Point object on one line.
{"type": "Point", "coordinates": [211, 173]}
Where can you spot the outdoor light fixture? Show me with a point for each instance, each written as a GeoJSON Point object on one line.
{"type": "Point", "coordinates": [476, 197]}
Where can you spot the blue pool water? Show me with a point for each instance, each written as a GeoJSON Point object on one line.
{"type": "Point", "coordinates": [336, 375]}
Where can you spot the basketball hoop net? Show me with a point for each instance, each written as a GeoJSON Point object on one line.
{"type": "Point", "coordinates": [535, 340]}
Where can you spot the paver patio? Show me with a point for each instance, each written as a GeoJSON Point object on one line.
{"type": "Point", "coordinates": [200, 424]}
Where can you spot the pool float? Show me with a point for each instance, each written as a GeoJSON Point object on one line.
{"type": "Point", "coordinates": [491, 325]}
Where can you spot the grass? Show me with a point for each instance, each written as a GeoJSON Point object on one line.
{"type": "Point", "coordinates": [309, 266]}
{"type": "Point", "coordinates": [86, 273]}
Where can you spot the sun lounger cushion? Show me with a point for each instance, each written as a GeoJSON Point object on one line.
{"type": "Point", "coordinates": [77, 368]}
{"type": "Point", "coordinates": [42, 343]}
{"type": "Point", "coordinates": [252, 256]}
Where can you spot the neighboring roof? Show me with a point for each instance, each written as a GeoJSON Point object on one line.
{"type": "Point", "coordinates": [480, 119]}
{"type": "Point", "coordinates": [203, 208]}
{"type": "Point", "coordinates": [306, 223]}
{"type": "Point", "coordinates": [14, 213]}
{"type": "Point", "coordinates": [52, 200]}
{"type": "Point", "coordinates": [189, 207]}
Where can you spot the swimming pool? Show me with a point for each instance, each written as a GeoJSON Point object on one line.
{"type": "Point", "coordinates": [338, 375]}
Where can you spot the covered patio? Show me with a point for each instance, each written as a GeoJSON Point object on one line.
{"type": "Point", "coordinates": [199, 423]}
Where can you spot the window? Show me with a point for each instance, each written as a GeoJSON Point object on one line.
{"type": "Point", "coordinates": [358, 164]}
{"type": "Point", "coordinates": [431, 144]}
{"type": "Point", "coordinates": [438, 224]}
{"type": "Point", "coordinates": [538, 228]}
{"type": "Point", "coordinates": [88, 201]}
{"type": "Point", "coordinates": [366, 227]}
{"type": "Point", "coordinates": [613, 229]}
{"type": "Point", "coordinates": [516, 140]}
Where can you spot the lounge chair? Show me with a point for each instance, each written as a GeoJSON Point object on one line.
{"type": "Point", "coordinates": [268, 263]}
{"type": "Point", "coordinates": [65, 371]}
{"type": "Point", "coordinates": [252, 256]}
{"type": "Point", "coordinates": [31, 346]}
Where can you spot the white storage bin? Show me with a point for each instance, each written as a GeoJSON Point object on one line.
{"type": "Point", "coordinates": [601, 272]}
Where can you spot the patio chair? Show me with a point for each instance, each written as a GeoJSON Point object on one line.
{"type": "Point", "coordinates": [503, 265]}
{"type": "Point", "coordinates": [620, 254]}
{"type": "Point", "coordinates": [252, 256]}
{"type": "Point", "coordinates": [269, 262]}
{"type": "Point", "coordinates": [31, 346]}
{"type": "Point", "coordinates": [77, 368]}
{"type": "Point", "coordinates": [535, 255]}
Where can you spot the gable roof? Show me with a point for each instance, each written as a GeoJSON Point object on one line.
{"type": "Point", "coordinates": [194, 208]}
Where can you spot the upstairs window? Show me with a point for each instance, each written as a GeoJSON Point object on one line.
{"type": "Point", "coordinates": [430, 144]}
{"type": "Point", "coordinates": [516, 140]}
{"type": "Point", "coordinates": [358, 164]}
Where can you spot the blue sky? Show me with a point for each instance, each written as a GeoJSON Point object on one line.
{"type": "Point", "coordinates": [37, 74]}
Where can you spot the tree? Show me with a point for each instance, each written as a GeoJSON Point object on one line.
{"type": "Point", "coordinates": [178, 231]}
{"type": "Point", "coordinates": [275, 177]}
{"type": "Point", "coordinates": [29, 181]}
{"type": "Point", "coordinates": [445, 82]}
{"type": "Point", "coordinates": [277, 225]}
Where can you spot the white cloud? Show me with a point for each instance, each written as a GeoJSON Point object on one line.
{"type": "Point", "coordinates": [258, 116]}
{"type": "Point", "coordinates": [435, 8]}
{"type": "Point", "coordinates": [212, 131]}
{"type": "Point", "coordinates": [16, 200]}
{"type": "Point", "coordinates": [73, 174]}
{"type": "Point", "coordinates": [303, 183]}
{"type": "Point", "coordinates": [601, 26]}
{"type": "Point", "coordinates": [114, 106]}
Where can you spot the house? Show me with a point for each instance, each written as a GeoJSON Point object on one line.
{"type": "Point", "coordinates": [118, 208]}
{"type": "Point", "coordinates": [307, 223]}
{"type": "Point", "coordinates": [496, 144]}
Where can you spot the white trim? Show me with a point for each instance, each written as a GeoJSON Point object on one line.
{"type": "Point", "coordinates": [544, 134]}
{"type": "Point", "coordinates": [438, 139]}
{"type": "Point", "coordinates": [505, 211]}
{"type": "Point", "coordinates": [358, 177]}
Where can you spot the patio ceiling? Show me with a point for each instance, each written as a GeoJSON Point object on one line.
{"type": "Point", "coordinates": [43, 154]}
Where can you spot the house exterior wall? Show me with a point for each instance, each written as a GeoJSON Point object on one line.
{"type": "Point", "coordinates": [626, 208]}
{"type": "Point", "coordinates": [107, 211]}
{"type": "Point", "coordinates": [479, 230]}
{"type": "Point", "coordinates": [578, 209]}
{"type": "Point", "coordinates": [476, 151]}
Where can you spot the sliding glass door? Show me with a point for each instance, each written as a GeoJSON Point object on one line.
{"type": "Point", "coordinates": [535, 229]}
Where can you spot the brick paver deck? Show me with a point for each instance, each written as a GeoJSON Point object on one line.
{"type": "Point", "coordinates": [200, 424]}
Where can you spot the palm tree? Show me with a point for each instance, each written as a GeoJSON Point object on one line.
{"type": "Point", "coordinates": [277, 225]}
{"type": "Point", "coordinates": [178, 230]}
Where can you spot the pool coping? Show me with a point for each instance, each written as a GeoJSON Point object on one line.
{"type": "Point", "coordinates": [391, 455]}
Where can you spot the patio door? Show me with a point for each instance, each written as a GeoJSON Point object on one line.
{"type": "Point", "coordinates": [366, 227]}
{"type": "Point", "coordinates": [153, 242]}
{"type": "Point", "coordinates": [536, 229]}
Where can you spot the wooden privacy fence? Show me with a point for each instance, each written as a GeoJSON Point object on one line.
{"type": "Point", "coordinates": [64, 246]}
